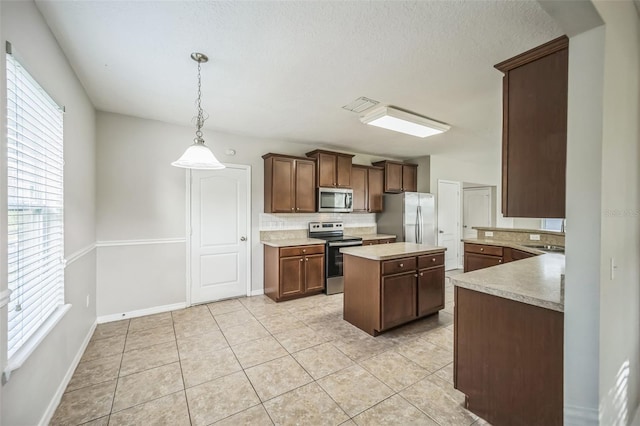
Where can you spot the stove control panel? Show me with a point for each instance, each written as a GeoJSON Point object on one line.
{"type": "Point", "coordinates": [325, 226]}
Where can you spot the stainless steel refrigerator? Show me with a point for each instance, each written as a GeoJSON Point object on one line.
{"type": "Point", "coordinates": [410, 216]}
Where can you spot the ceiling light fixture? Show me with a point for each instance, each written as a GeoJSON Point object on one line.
{"type": "Point", "coordinates": [404, 122]}
{"type": "Point", "coordinates": [198, 155]}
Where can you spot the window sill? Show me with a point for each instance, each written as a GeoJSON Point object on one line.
{"type": "Point", "coordinates": [19, 358]}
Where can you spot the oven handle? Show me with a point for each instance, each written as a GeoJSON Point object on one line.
{"type": "Point", "coordinates": [350, 244]}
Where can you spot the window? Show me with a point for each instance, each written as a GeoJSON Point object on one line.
{"type": "Point", "coordinates": [35, 207]}
{"type": "Point", "coordinates": [553, 224]}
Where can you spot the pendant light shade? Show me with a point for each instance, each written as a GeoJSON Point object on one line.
{"type": "Point", "coordinates": [198, 155]}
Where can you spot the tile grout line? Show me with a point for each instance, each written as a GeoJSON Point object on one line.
{"type": "Point", "coordinates": [184, 385]}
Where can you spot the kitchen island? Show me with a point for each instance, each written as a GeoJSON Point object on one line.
{"type": "Point", "coordinates": [508, 341]}
{"type": "Point", "coordinates": [391, 284]}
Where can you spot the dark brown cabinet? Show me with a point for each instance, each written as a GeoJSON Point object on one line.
{"type": "Point", "coordinates": [334, 168]}
{"type": "Point", "coordinates": [366, 242]}
{"type": "Point", "coordinates": [430, 284]}
{"type": "Point", "coordinates": [367, 183]}
{"type": "Point", "coordinates": [399, 177]}
{"type": "Point", "coordinates": [398, 299]}
{"type": "Point", "coordinates": [478, 256]}
{"type": "Point", "coordinates": [379, 295]}
{"type": "Point", "coordinates": [289, 184]}
{"type": "Point", "coordinates": [292, 272]}
{"type": "Point", "coordinates": [534, 131]}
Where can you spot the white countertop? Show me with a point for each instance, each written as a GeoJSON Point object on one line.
{"type": "Point", "coordinates": [534, 281]}
{"type": "Point", "coordinates": [292, 242]}
{"type": "Point", "coordinates": [391, 250]}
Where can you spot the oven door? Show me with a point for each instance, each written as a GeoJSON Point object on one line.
{"type": "Point", "coordinates": [334, 262]}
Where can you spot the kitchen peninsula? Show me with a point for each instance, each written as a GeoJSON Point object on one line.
{"type": "Point", "coordinates": [508, 340]}
{"type": "Point", "coordinates": [391, 284]}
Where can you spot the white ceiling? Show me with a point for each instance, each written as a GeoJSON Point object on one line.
{"type": "Point", "coordinates": [283, 70]}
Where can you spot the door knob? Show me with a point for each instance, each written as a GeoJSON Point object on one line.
{"type": "Point", "coordinates": [243, 238]}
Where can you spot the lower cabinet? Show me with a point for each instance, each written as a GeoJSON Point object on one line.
{"type": "Point", "coordinates": [479, 256]}
{"type": "Point", "coordinates": [398, 299]}
{"type": "Point", "coordinates": [291, 272]}
{"type": "Point", "coordinates": [379, 241]}
{"type": "Point", "coordinates": [379, 295]}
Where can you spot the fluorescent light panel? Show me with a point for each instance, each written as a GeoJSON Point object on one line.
{"type": "Point", "coordinates": [400, 121]}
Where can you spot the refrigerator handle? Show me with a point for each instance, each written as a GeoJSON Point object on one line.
{"type": "Point", "coordinates": [417, 223]}
{"type": "Point", "coordinates": [421, 226]}
{"type": "Point", "coordinates": [419, 220]}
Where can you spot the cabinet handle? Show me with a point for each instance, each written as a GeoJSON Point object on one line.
{"type": "Point", "coordinates": [421, 274]}
{"type": "Point", "coordinates": [499, 260]}
{"type": "Point", "coordinates": [481, 249]}
{"type": "Point", "coordinates": [297, 208]}
{"type": "Point", "coordinates": [416, 275]}
{"type": "Point", "coordinates": [306, 259]}
{"type": "Point", "coordinates": [304, 250]}
{"type": "Point", "coordinates": [291, 208]}
{"type": "Point", "coordinates": [301, 260]}
{"type": "Point", "coordinates": [402, 265]}
{"type": "Point", "coordinates": [433, 260]}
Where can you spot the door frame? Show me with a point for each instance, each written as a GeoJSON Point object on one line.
{"type": "Point", "coordinates": [459, 215]}
{"type": "Point", "coordinates": [189, 230]}
{"type": "Point", "coordinates": [475, 188]}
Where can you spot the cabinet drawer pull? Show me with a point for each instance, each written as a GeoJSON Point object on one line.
{"type": "Point", "coordinates": [402, 265]}
{"type": "Point", "coordinates": [421, 274]}
{"type": "Point", "coordinates": [297, 208]}
{"type": "Point", "coordinates": [301, 260]}
{"type": "Point", "coordinates": [304, 250]}
{"type": "Point", "coordinates": [481, 248]}
{"type": "Point", "coordinates": [433, 260]}
{"type": "Point", "coordinates": [416, 275]}
{"type": "Point", "coordinates": [499, 260]}
{"type": "Point", "coordinates": [291, 208]}
{"type": "Point", "coordinates": [306, 259]}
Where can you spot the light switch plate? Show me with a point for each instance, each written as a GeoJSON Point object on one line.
{"type": "Point", "coordinates": [488, 233]}
{"type": "Point", "coordinates": [534, 237]}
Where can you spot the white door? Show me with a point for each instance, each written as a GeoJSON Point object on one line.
{"type": "Point", "coordinates": [220, 250]}
{"type": "Point", "coordinates": [476, 208]}
{"type": "Point", "coordinates": [449, 221]}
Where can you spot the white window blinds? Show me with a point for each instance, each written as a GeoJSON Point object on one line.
{"type": "Point", "coordinates": [35, 204]}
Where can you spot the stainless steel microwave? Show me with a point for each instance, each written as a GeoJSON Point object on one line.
{"type": "Point", "coordinates": [338, 200]}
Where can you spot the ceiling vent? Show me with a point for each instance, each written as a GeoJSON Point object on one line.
{"type": "Point", "coordinates": [361, 104]}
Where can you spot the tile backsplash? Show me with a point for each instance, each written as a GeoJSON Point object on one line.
{"type": "Point", "coordinates": [294, 221]}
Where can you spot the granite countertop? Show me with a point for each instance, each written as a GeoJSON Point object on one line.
{"type": "Point", "coordinates": [534, 281]}
{"type": "Point", "coordinates": [510, 244]}
{"type": "Point", "coordinates": [366, 237]}
{"type": "Point", "coordinates": [530, 231]}
{"type": "Point", "coordinates": [391, 250]}
{"type": "Point", "coordinates": [293, 242]}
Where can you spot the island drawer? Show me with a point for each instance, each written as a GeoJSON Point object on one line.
{"type": "Point", "coordinates": [483, 249]}
{"type": "Point", "coordinates": [398, 265]}
{"type": "Point", "coordinates": [301, 250]}
{"type": "Point", "coordinates": [429, 261]}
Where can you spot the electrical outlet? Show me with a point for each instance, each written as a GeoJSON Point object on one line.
{"type": "Point", "coordinates": [534, 237]}
{"type": "Point", "coordinates": [488, 233]}
{"type": "Point", "coordinates": [87, 300]}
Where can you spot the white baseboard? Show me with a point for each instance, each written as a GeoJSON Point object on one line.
{"type": "Point", "coordinates": [55, 401]}
{"type": "Point", "coordinates": [141, 312]}
{"type": "Point", "coordinates": [257, 292]}
{"type": "Point", "coordinates": [580, 416]}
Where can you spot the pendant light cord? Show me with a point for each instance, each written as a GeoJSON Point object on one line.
{"type": "Point", "coordinates": [200, 118]}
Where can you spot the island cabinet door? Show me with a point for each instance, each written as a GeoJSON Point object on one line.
{"type": "Point", "coordinates": [314, 272]}
{"type": "Point", "coordinates": [398, 299]}
{"type": "Point", "coordinates": [291, 276]}
{"type": "Point", "coordinates": [430, 290]}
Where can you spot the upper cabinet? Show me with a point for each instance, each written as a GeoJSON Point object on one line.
{"type": "Point", "coordinates": [367, 183]}
{"type": "Point", "coordinates": [289, 184]}
{"type": "Point", "coordinates": [399, 177]}
{"type": "Point", "coordinates": [534, 131]}
{"type": "Point", "coordinates": [333, 168]}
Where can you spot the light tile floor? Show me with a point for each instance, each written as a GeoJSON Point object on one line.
{"type": "Point", "coordinates": [252, 361]}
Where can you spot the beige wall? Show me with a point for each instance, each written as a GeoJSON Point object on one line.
{"type": "Point", "coordinates": [30, 395]}
{"type": "Point", "coordinates": [142, 197]}
{"type": "Point", "coordinates": [620, 296]}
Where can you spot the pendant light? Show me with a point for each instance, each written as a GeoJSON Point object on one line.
{"type": "Point", "coordinates": [198, 155]}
